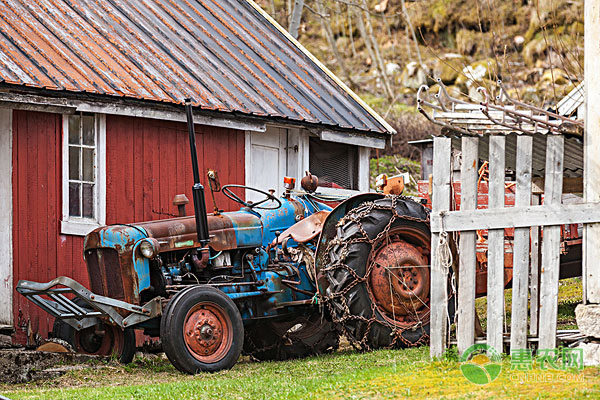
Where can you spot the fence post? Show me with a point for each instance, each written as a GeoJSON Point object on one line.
{"type": "Point", "coordinates": [440, 201]}
{"type": "Point", "coordinates": [465, 330]}
{"type": "Point", "coordinates": [534, 291]}
{"type": "Point", "coordinates": [591, 151]}
{"type": "Point", "coordinates": [518, 331]}
{"type": "Point", "coordinates": [495, 273]}
{"type": "Point", "coordinates": [551, 244]}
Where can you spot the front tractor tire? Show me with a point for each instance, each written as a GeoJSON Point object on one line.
{"type": "Point", "coordinates": [378, 273]}
{"type": "Point", "coordinates": [102, 339]}
{"type": "Point", "coordinates": [201, 330]}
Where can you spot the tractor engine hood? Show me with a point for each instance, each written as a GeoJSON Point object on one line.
{"type": "Point", "coordinates": [227, 231]}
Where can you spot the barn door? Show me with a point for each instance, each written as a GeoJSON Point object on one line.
{"type": "Point", "coordinates": [265, 161]}
{"type": "Point", "coordinates": [6, 293]}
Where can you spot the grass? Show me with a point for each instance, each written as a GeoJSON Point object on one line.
{"type": "Point", "coordinates": [380, 374]}
{"type": "Point", "coordinates": [570, 294]}
{"type": "Point", "coordinates": [394, 165]}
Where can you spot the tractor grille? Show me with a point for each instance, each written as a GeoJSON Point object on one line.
{"type": "Point", "coordinates": [105, 272]}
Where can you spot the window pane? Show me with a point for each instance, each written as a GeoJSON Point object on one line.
{"type": "Point", "coordinates": [88, 165]}
{"type": "Point", "coordinates": [74, 129]}
{"type": "Point", "coordinates": [89, 138]}
{"type": "Point", "coordinates": [74, 197]}
{"type": "Point", "coordinates": [74, 162]}
{"type": "Point", "coordinates": [88, 200]}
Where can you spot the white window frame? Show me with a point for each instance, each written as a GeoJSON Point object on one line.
{"type": "Point", "coordinates": [80, 226]}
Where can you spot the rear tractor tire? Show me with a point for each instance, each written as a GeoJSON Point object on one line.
{"type": "Point", "coordinates": [284, 340]}
{"type": "Point", "coordinates": [378, 274]}
{"type": "Point", "coordinates": [201, 330]}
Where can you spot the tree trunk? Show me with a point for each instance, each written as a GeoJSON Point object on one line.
{"type": "Point", "coordinates": [412, 31]}
{"type": "Point", "coordinates": [369, 36]}
{"type": "Point", "coordinates": [296, 18]}
{"type": "Point", "coordinates": [331, 41]}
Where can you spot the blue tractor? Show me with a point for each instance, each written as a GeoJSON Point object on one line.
{"type": "Point", "coordinates": [252, 281]}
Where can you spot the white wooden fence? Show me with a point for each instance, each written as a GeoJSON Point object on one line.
{"type": "Point", "coordinates": [551, 215]}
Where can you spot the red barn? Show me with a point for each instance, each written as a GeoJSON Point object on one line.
{"type": "Point", "coordinates": [92, 131]}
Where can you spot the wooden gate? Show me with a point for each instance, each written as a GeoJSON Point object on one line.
{"type": "Point", "coordinates": [491, 125]}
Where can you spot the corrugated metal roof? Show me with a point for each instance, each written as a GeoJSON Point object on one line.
{"type": "Point", "coordinates": [573, 153]}
{"type": "Point", "coordinates": [227, 55]}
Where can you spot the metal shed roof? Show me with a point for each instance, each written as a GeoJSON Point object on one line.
{"type": "Point", "coordinates": [227, 55]}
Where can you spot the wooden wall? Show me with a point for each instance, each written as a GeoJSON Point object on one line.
{"type": "Point", "coordinates": [147, 163]}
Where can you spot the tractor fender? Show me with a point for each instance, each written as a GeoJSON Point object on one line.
{"type": "Point", "coordinates": [328, 231]}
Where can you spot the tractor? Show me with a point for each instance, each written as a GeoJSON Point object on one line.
{"type": "Point", "coordinates": [252, 281]}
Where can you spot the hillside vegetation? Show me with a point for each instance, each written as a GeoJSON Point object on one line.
{"type": "Point", "coordinates": [386, 49]}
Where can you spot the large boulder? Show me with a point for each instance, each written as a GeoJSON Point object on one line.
{"type": "Point", "coordinates": [588, 319]}
{"type": "Point", "coordinates": [447, 67]}
{"type": "Point", "coordinates": [414, 75]}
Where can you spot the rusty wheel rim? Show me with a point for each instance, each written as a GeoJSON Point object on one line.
{"type": "Point", "coordinates": [399, 279]}
{"type": "Point", "coordinates": [207, 332]}
{"type": "Point", "coordinates": [102, 340]}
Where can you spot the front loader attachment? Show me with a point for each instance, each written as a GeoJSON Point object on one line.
{"type": "Point", "coordinates": [87, 311]}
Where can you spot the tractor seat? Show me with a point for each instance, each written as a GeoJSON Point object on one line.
{"type": "Point", "coordinates": [303, 231]}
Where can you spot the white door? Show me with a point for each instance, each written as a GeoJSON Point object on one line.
{"type": "Point", "coordinates": [265, 161]}
{"type": "Point", "coordinates": [6, 292]}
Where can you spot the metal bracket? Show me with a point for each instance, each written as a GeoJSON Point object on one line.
{"type": "Point", "coordinates": [505, 116]}
{"type": "Point", "coordinates": [79, 317]}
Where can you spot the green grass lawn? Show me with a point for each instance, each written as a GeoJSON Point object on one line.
{"type": "Point", "coordinates": [380, 374]}
{"type": "Point", "coordinates": [570, 293]}
{"type": "Point", "coordinates": [383, 374]}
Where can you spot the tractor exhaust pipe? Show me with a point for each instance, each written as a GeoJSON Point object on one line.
{"type": "Point", "coordinates": [197, 189]}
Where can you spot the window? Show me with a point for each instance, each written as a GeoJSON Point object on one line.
{"type": "Point", "coordinates": [336, 164]}
{"type": "Point", "coordinates": [84, 192]}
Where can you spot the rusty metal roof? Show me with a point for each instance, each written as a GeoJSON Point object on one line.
{"type": "Point", "coordinates": [227, 55]}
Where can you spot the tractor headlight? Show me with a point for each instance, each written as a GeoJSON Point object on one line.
{"type": "Point", "coordinates": [149, 247]}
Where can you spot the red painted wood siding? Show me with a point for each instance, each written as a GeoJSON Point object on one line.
{"type": "Point", "coordinates": [40, 252]}
{"type": "Point", "coordinates": [142, 181]}
{"type": "Point", "coordinates": [147, 163]}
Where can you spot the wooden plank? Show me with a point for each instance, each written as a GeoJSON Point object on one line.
{"type": "Point", "coordinates": [551, 245]}
{"type": "Point", "coordinates": [518, 332]}
{"type": "Point", "coordinates": [518, 217]}
{"type": "Point", "coordinates": [570, 185]}
{"type": "Point", "coordinates": [6, 217]}
{"type": "Point", "coordinates": [439, 281]}
{"type": "Point", "coordinates": [534, 286]}
{"type": "Point", "coordinates": [465, 330]}
{"type": "Point", "coordinates": [495, 277]}
{"type": "Point", "coordinates": [591, 151]}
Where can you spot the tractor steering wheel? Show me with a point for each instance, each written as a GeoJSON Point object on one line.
{"type": "Point", "coordinates": [230, 195]}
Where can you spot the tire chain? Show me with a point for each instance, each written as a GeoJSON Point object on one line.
{"type": "Point", "coordinates": [333, 262]}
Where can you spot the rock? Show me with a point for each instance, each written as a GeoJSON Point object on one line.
{"type": "Point", "coordinates": [530, 95]}
{"type": "Point", "coordinates": [519, 40]}
{"type": "Point", "coordinates": [447, 67]}
{"type": "Point", "coordinates": [591, 353]}
{"type": "Point", "coordinates": [588, 319]}
{"type": "Point", "coordinates": [470, 42]}
{"type": "Point", "coordinates": [534, 50]}
{"type": "Point", "coordinates": [51, 347]}
{"type": "Point", "coordinates": [414, 75]}
{"type": "Point", "coordinates": [557, 75]}
{"type": "Point", "coordinates": [576, 28]}
{"type": "Point", "coordinates": [392, 68]}
{"type": "Point", "coordinates": [381, 7]}
{"type": "Point", "coordinates": [5, 341]}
